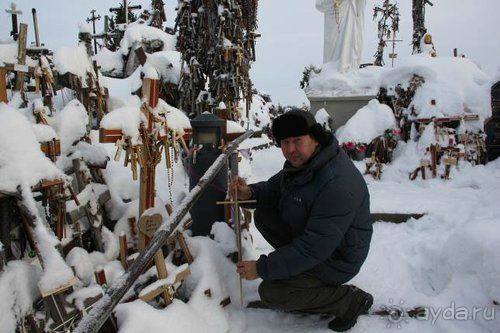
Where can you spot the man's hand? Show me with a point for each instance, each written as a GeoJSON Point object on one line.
{"type": "Point", "coordinates": [247, 269]}
{"type": "Point", "coordinates": [240, 185]}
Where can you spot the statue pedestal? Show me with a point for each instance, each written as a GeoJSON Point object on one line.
{"type": "Point", "coordinates": [340, 109]}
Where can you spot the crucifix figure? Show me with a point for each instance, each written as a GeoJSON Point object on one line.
{"type": "Point", "coordinates": [14, 12]}
{"type": "Point", "coordinates": [92, 19]}
{"type": "Point", "coordinates": [344, 30]}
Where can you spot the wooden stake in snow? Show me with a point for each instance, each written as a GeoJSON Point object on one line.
{"type": "Point", "coordinates": [21, 55]}
{"type": "Point", "coordinates": [235, 212]}
{"type": "Point", "coordinates": [3, 85]}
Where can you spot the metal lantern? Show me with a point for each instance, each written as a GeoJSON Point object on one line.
{"type": "Point", "coordinates": [207, 136]}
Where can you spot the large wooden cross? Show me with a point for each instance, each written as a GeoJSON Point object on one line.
{"type": "Point", "coordinates": [234, 202]}
{"type": "Point", "coordinates": [147, 156]}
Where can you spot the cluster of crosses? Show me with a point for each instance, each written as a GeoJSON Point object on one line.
{"type": "Point", "coordinates": [217, 42]}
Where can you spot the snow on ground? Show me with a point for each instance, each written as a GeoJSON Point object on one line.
{"type": "Point", "coordinates": [449, 257]}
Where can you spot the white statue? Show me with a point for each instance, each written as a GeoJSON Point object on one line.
{"type": "Point", "coordinates": [344, 30]}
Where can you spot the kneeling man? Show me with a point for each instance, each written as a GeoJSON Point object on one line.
{"type": "Point", "coordinates": [315, 212]}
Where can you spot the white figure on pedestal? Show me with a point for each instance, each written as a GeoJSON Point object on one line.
{"type": "Point", "coordinates": [344, 30]}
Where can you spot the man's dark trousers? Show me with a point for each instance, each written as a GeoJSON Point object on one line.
{"type": "Point", "coordinates": [303, 292]}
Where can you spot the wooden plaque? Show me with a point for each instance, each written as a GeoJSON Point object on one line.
{"type": "Point", "coordinates": [148, 224]}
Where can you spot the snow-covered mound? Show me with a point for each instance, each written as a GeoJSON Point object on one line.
{"type": "Point", "coordinates": [128, 119]}
{"type": "Point", "coordinates": [110, 62]}
{"type": "Point", "coordinates": [73, 59]}
{"type": "Point", "coordinates": [21, 161]}
{"type": "Point", "coordinates": [258, 113]}
{"type": "Point", "coordinates": [456, 85]}
{"type": "Point", "coordinates": [176, 119]}
{"type": "Point", "coordinates": [8, 54]}
{"type": "Point", "coordinates": [138, 33]}
{"type": "Point", "coordinates": [369, 122]}
{"type": "Point", "coordinates": [167, 64]}
{"type": "Point", "coordinates": [18, 287]}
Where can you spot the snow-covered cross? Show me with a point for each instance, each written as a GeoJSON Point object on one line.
{"type": "Point", "coordinates": [14, 12]}
{"type": "Point", "coordinates": [154, 136]}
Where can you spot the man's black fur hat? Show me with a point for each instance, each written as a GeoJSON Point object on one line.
{"type": "Point", "coordinates": [297, 123]}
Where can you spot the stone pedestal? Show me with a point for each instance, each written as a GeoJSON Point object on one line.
{"type": "Point", "coordinates": [341, 109]}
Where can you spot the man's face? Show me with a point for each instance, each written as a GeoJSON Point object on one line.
{"type": "Point", "coordinates": [298, 149]}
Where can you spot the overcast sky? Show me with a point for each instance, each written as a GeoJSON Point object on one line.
{"type": "Point", "coordinates": [292, 34]}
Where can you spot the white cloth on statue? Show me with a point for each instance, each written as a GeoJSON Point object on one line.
{"type": "Point", "coordinates": [344, 30]}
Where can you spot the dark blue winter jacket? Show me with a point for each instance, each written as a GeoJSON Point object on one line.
{"type": "Point", "coordinates": [326, 208]}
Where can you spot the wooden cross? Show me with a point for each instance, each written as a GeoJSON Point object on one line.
{"type": "Point", "coordinates": [235, 203]}
{"type": "Point", "coordinates": [15, 68]}
{"type": "Point", "coordinates": [14, 12]}
{"type": "Point", "coordinates": [124, 9]}
{"type": "Point", "coordinates": [21, 55]}
{"type": "Point", "coordinates": [147, 155]}
{"type": "Point", "coordinates": [92, 19]}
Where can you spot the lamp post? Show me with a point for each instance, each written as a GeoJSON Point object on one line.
{"type": "Point", "coordinates": [207, 138]}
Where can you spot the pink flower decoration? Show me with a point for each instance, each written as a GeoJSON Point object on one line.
{"type": "Point", "coordinates": [350, 145]}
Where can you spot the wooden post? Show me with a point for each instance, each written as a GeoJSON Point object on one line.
{"type": "Point", "coordinates": [434, 160]}
{"type": "Point", "coordinates": [2, 258]}
{"type": "Point", "coordinates": [150, 90]}
{"type": "Point", "coordinates": [123, 250]}
{"type": "Point", "coordinates": [100, 277]}
{"type": "Point", "coordinates": [3, 85]}
{"type": "Point", "coordinates": [132, 226]}
{"type": "Point", "coordinates": [21, 55]}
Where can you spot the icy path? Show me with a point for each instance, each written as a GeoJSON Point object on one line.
{"type": "Point", "coordinates": [450, 257]}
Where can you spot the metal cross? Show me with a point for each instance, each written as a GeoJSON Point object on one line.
{"type": "Point", "coordinates": [92, 19]}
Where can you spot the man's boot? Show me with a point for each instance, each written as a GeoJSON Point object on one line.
{"type": "Point", "coordinates": [362, 301]}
